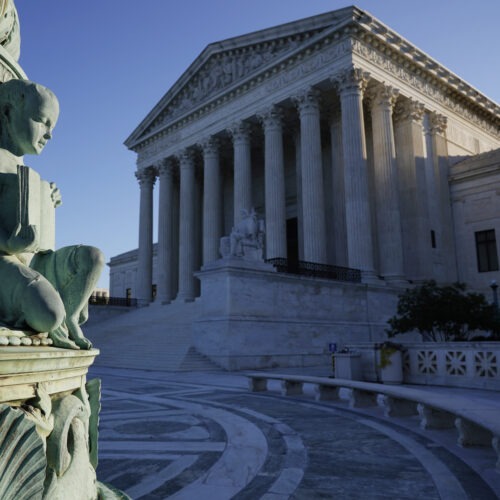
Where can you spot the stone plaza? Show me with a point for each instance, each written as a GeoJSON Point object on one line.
{"type": "Point", "coordinates": [204, 435]}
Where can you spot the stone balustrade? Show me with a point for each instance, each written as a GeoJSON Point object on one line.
{"type": "Point", "coordinates": [457, 364]}
{"type": "Point", "coordinates": [476, 421]}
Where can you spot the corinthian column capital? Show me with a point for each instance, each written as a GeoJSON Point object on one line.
{"type": "Point", "coordinates": [409, 109]}
{"type": "Point", "coordinates": [271, 118]}
{"type": "Point", "coordinates": [186, 157]}
{"type": "Point", "coordinates": [210, 147]}
{"type": "Point", "coordinates": [381, 95]}
{"type": "Point", "coordinates": [240, 131]}
{"type": "Point", "coordinates": [438, 122]}
{"type": "Point", "coordinates": [308, 100]}
{"type": "Point", "coordinates": [146, 176]}
{"type": "Point", "coordinates": [165, 167]}
{"type": "Point", "coordinates": [351, 80]}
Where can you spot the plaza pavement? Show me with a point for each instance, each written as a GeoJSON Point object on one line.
{"type": "Point", "coordinates": [204, 436]}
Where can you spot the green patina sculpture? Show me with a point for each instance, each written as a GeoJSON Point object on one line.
{"type": "Point", "coordinates": [43, 290]}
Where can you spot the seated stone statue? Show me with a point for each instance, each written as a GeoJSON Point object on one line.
{"type": "Point", "coordinates": [41, 290]}
{"type": "Point", "coordinates": [246, 239]}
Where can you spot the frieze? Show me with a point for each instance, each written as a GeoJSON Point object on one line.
{"type": "Point", "coordinates": [317, 61]}
{"type": "Point", "coordinates": [223, 70]}
{"type": "Point", "coordinates": [422, 84]}
{"type": "Point", "coordinates": [153, 147]}
{"type": "Point", "coordinates": [337, 50]}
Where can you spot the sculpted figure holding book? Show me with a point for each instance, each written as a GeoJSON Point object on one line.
{"type": "Point", "coordinates": [42, 290]}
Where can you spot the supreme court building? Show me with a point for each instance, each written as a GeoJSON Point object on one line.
{"type": "Point", "coordinates": [352, 144]}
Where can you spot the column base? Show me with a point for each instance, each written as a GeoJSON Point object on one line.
{"type": "Point", "coordinates": [184, 298]}
{"type": "Point", "coordinates": [397, 281]}
{"type": "Point", "coordinates": [370, 278]}
{"type": "Point", "coordinates": [143, 302]}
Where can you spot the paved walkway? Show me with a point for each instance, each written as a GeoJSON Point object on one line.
{"type": "Point", "coordinates": [204, 436]}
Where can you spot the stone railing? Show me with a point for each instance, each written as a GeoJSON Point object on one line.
{"type": "Point", "coordinates": [457, 364]}
{"type": "Point", "coordinates": [112, 301]}
{"type": "Point", "coordinates": [316, 270]}
{"type": "Point", "coordinates": [476, 422]}
{"type": "Point", "coordinates": [460, 364]}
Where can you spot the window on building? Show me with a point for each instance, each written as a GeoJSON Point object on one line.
{"type": "Point", "coordinates": [153, 292]}
{"type": "Point", "coordinates": [128, 295]}
{"type": "Point", "coordinates": [486, 249]}
{"type": "Point", "coordinates": [433, 238]}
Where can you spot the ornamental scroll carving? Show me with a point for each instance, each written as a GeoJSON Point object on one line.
{"type": "Point", "coordinates": [438, 123]}
{"type": "Point", "coordinates": [272, 118]}
{"type": "Point", "coordinates": [419, 83]}
{"type": "Point", "coordinates": [409, 109]}
{"type": "Point", "coordinates": [382, 95]}
{"type": "Point", "coordinates": [351, 80]}
{"type": "Point", "coordinates": [210, 147]}
{"type": "Point", "coordinates": [307, 101]}
{"type": "Point", "coordinates": [146, 177]}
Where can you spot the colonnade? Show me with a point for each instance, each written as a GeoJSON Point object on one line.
{"type": "Point", "coordinates": [398, 198]}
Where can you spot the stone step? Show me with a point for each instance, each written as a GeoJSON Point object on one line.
{"type": "Point", "coordinates": [152, 338]}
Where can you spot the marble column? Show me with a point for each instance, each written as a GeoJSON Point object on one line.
{"type": "Point", "coordinates": [187, 251]}
{"type": "Point", "coordinates": [146, 178]}
{"type": "Point", "coordinates": [274, 183]}
{"type": "Point", "coordinates": [240, 133]}
{"type": "Point", "coordinates": [298, 175]}
{"type": "Point", "coordinates": [212, 200]}
{"type": "Point", "coordinates": [438, 125]}
{"type": "Point", "coordinates": [410, 154]}
{"type": "Point", "coordinates": [390, 241]}
{"type": "Point", "coordinates": [351, 85]}
{"type": "Point", "coordinates": [313, 198]}
{"type": "Point", "coordinates": [165, 231]}
{"type": "Point", "coordinates": [338, 188]}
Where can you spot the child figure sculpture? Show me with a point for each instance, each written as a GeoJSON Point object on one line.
{"type": "Point", "coordinates": [41, 290]}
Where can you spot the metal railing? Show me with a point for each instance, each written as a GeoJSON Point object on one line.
{"type": "Point", "coordinates": [316, 270]}
{"type": "Point", "coordinates": [112, 301]}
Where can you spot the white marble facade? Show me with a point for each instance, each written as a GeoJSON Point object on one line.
{"type": "Point", "coordinates": [336, 129]}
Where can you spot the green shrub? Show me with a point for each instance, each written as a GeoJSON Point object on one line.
{"type": "Point", "coordinates": [444, 313]}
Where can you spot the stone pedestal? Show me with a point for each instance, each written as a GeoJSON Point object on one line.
{"type": "Point", "coordinates": [253, 317]}
{"type": "Point", "coordinates": [49, 414]}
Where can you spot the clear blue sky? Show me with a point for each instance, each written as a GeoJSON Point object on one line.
{"type": "Point", "coordinates": [110, 61]}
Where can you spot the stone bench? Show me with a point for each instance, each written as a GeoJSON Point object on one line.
{"type": "Point", "coordinates": [477, 422]}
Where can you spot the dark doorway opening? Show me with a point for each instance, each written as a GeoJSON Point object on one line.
{"type": "Point", "coordinates": [292, 244]}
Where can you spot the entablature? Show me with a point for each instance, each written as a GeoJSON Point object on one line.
{"type": "Point", "coordinates": [221, 78]}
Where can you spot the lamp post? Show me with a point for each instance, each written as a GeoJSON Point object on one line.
{"type": "Point", "coordinates": [494, 288]}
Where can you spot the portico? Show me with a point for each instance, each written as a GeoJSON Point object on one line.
{"type": "Point", "coordinates": [340, 134]}
{"type": "Point", "coordinates": [364, 208]}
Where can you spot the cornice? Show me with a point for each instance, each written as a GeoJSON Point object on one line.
{"type": "Point", "coordinates": [426, 82]}
{"type": "Point", "coordinates": [340, 46]}
{"type": "Point", "coordinates": [381, 36]}
{"type": "Point", "coordinates": [290, 33]}
{"type": "Point", "coordinates": [360, 33]}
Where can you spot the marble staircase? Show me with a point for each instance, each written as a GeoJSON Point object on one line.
{"type": "Point", "coordinates": [150, 338]}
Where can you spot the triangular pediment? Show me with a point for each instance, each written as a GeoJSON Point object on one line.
{"type": "Point", "coordinates": [226, 64]}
